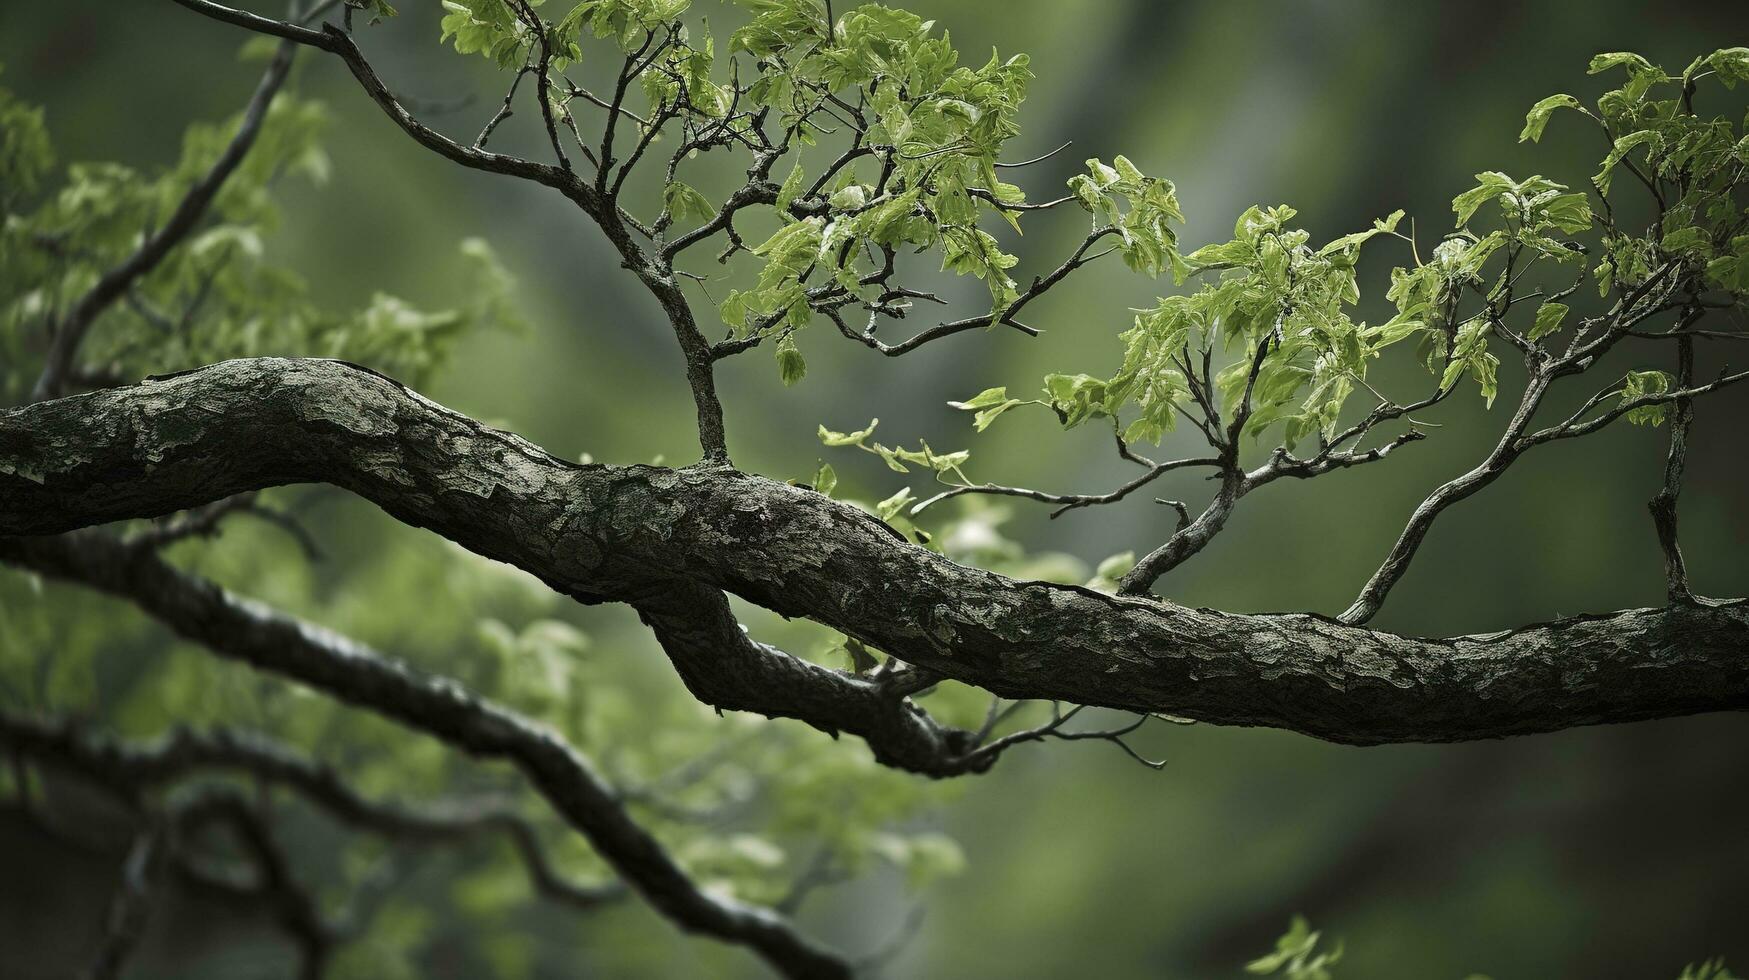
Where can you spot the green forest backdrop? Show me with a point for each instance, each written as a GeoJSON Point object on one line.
{"type": "Point", "coordinates": [1616, 852]}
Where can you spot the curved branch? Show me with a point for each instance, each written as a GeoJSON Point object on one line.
{"type": "Point", "coordinates": [273, 882]}
{"type": "Point", "coordinates": [1004, 316]}
{"type": "Point", "coordinates": [130, 907]}
{"type": "Point", "coordinates": [724, 667]}
{"type": "Point", "coordinates": [621, 532]}
{"type": "Point", "coordinates": [1192, 536]}
{"type": "Point", "coordinates": [616, 533]}
{"type": "Point", "coordinates": [1065, 502]}
{"type": "Point", "coordinates": [1511, 445]}
{"type": "Point", "coordinates": [592, 199]}
{"type": "Point", "coordinates": [1573, 427]}
{"type": "Point", "coordinates": [337, 42]}
{"type": "Point", "coordinates": [1663, 504]}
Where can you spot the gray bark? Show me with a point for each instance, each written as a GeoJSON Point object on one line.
{"type": "Point", "coordinates": [642, 535]}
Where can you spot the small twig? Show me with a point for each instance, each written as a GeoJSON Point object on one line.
{"type": "Point", "coordinates": [1037, 159]}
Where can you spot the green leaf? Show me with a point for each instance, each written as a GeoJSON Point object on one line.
{"type": "Point", "coordinates": [258, 48]}
{"type": "Point", "coordinates": [1295, 951]}
{"type": "Point", "coordinates": [1640, 384]}
{"type": "Point", "coordinates": [1116, 566]}
{"type": "Point", "coordinates": [894, 505]}
{"type": "Point", "coordinates": [1349, 242]}
{"type": "Point", "coordinates": [1618, 152]}
{"type": "Point", "coordinates": [1569, 212]}
{"type": "Point", "coordinates": [851, 198]}
{"type": "Point", "coordinates": [683, 202]}
{"type": "Point", "coordinates": [1688, 241]}
{"type": "Point", "coordinates": [1731, 271]}
{"type": "Point", "coordinates": [1634, 63]}
{"type": "Point", "coordinates": [734, 310]}
{"type": "Point", "coordinates": [857, 438]}
{"type": "Point", "coordinates": [988, 404]}
{"type": "Point", "coordinates": [1548, 320]}
{"type": "Point", "coordinates": [894, 458]}
{"type": "Point", "coordinates": [984, 399]}
{"type": "Point", "coordinates": [1537, 119]}
{"type": "Point", "coordinates": [1489, 187]}
{"type": "Point", "coordinates": [1732, 65]}
{"type": "Point", "coordinates": [1078, 397]}
{"type": "Point", "coordinates": [791, 189]}
{"type": "Point", "coordinates": [789, 361]}
{"type": "Point", "coordinates": [1397, 328]}
{"type": "Point", "coordinates": [825, 479]}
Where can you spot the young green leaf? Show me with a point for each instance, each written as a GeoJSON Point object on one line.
{"type": "Point", "coordinates": [1548, 320]}
{"type": "Point", "coordinates": [1537, 119]}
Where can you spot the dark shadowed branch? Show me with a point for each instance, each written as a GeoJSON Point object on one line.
{"type": "Point", "coordinates": [184, 754]}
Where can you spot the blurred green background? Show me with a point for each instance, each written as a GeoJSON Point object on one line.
{"type": "Point", "coordinates": [1611, 852]}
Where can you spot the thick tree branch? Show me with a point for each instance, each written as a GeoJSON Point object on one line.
{"type": "Point", "coordinates": [612, 533]}
{"type": "Point", "coordinates": [1189, 538]}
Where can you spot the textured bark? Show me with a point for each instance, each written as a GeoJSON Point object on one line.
{"type": "Point", "coordinates": [722, 666]}
{"type": "Point", "coordinates": [634, 534]}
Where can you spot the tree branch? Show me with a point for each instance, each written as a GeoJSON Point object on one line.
{"type": "Point", "coordinates": [274, 883]}
{"type": "Point", "coordinates": [1505, 452]}
{"type": "Point", "coordinates": [337, 42]}
{"type": "Point", "coordinates": [116, 282]}
{"type": "Point", "coordinates": [591, 199]}
{"type": "Point", "coordinates": [725, 668]}
{"type": "Point", "coordinates": [183, 753]}
{"type": "Point", "coordinates": [1663, 504]}
{"type": "Point", "coordinates": [245, 631]}
{"type": "Point", "coordinates": [618, 534]}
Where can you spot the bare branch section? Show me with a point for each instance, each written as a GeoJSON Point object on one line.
{"type": "Point", "coordinates": [1663, 505]}
{"type": "Point", "coordinates": [1336, 453]}
{"type": "Point", "coordinates": [245, 631]}
{"type": "Point", "coordinates": [604, 533]}
{"type": "Point", "coordinates": [130, 908]}
{"type": "Point", "coordinates": [1650, 298]}
{"type": "Point", "coordinates": [337, 42]}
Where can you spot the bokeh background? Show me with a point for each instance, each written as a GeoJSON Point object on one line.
{"type": "Point", "coordinates": [1609, 852]}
